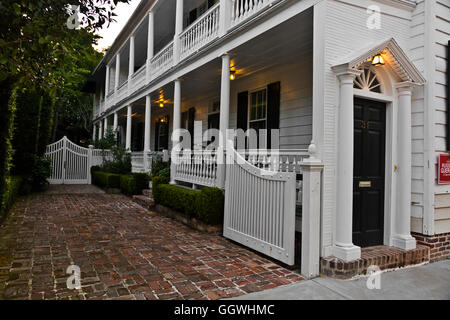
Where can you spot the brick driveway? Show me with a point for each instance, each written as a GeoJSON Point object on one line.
{"type": "Point", "coordinates": [124, 252]}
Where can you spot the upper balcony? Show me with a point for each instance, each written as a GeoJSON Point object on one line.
{"type": "Point", "coordinates": [171, 32]}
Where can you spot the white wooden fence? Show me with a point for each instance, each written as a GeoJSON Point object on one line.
{"type": "Point", "coordinates": [71, 163]}
{"type": "Point", "coordinates": [260, 208]}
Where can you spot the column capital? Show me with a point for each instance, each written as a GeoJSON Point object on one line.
{"type": "Point", "coordinates": [344, 71]}
{"type": "Point", "coordinates": [405, 88]}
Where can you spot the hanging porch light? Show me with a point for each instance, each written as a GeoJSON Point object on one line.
{"type": "Point", "coordinates": [378, 60]}
{"type": "Point", "coordinates": [232, 75]}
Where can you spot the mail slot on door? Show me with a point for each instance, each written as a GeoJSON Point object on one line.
{"type": "Point", "coordinates": [365, 184]}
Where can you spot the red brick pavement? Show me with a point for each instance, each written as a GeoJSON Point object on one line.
{"type": "Point", "coordinates": [124, 252]}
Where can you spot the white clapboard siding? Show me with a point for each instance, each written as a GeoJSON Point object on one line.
{"type": "Point", "coordinates": [260, 208]}
{"type": "Point", "coordinates": [345, 31]}
{"type": "Point", "coordinates": [441, 24]}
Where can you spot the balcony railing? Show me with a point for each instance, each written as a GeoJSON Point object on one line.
{"type": "Point", "coordinates": [138, 78]}
{"type": "Point", "coordinates": [162, 61]}
{"type": "Point", "coordinates": [201, 32]}
{"type": "Point", "coordinates": [242, 10]}
{"type": "Point", "coordinates": [122, 91]}
{"type": "Point", "coordinates": [198, 35]}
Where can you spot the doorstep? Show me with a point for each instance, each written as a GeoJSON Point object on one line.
{"type": "Point", "coordinates": [384, 257]}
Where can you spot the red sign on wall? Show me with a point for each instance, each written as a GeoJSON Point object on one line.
{"type": "Point", "coordinates": [444, 169]}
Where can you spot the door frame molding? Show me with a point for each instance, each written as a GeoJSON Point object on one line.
{"type": "Point", "coordinates": [390, 99]}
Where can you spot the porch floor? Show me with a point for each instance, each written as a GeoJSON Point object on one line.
{"type": "Point", "coordinates": [123, 250]}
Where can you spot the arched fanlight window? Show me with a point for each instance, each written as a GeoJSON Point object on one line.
{"type": "Point", "coordinates": [367, 81]}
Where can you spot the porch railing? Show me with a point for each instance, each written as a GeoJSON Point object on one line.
{"type": "Point", "coordinates": [196, 167]}
{"type": "Point", "coordinates": [201, 32]}
{"type": "Point", "coordinates": [243, 9]}
{"type": "Point", "coordinates": [122, 91]}
{"type": "Point", "coordinates": [138, 79]}
{"type": "Point", "coordinates": [162, 61]}
{"type": "Point", "coordinates": [142, 163]}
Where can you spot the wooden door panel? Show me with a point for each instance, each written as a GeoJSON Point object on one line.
{"type": "Point", "coordinates": [369, 171]}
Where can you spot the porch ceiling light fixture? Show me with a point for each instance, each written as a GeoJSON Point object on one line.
{"type": "Point", "coordinates": [378, 60]}
{"type": "Point", "coordinates": [232, 74]}
{"type": "Point", "coordinates": [161, 104]}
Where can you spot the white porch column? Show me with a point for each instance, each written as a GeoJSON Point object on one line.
{"type": "Point", "coordinates": [224, 118]}
{"type": "Point", "coordinates": [94, 131]}
{"type": "Point", "coordinates": [115, 124]}
{"type": "Point", "coordinates": [147, 123]}
{"type": "Point", "coordinates": [131, 62]}
{"type": "Point", "coordinates": [343, 245]}
{"type": "Point", "coordinates": [128, 134]}
{"type": "Point", "coordinates": [148, 117]}
{"type": "Point", "coordinates": [311, 195]}
{"type": "Point", "coordinates": [116, 121]}
{"type": "Point", "coordinates": [176, 124]}
{"type": "Point", "coordinates": [116, 83]}
{"type": "Point", "coordinates": [225, 16]}
{"type": "Point", "coordinates": [105, 127]}
{"type": "Point", "coordinates": [100, 129]}
{"type": "Point", "coordinates": [107, 81]}
{"type": "Point", "coordinates": [150, 43]}
{"type": "Point", "coordinates": [402, 231]}
{"type": "Point", "coordinates": [178, 31]}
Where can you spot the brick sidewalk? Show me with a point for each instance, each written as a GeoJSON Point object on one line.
{"type": "Point", "coordinates": [124, 252]}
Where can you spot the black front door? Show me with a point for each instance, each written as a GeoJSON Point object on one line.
{"type": "Point", "coordinates": [368, 172]}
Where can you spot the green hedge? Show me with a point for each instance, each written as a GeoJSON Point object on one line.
{"type": "Point", "coordinates": [13, 185]}
{"type": "Point", "coordinates": [206, 205]}
{"type": "Point", "coordinates": [128, 185]}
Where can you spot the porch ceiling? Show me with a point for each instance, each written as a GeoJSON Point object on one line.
{"type": "Point", "coordinates": [289, 43]}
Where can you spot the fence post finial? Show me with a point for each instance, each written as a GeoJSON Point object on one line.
{"type": "Point", "coordinates": [312, 150]}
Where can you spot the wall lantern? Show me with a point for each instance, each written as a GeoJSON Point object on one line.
{"type": "Point", "coordinates": [161, 105]}
{"type": "Point", "coordinates": [232, 75]}
{"type": "Point", "coordinates": [378, 60]}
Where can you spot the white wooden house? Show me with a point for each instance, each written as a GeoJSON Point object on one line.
{"type": "Point", "coordinates": [308, 68]}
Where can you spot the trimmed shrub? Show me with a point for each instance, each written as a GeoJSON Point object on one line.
{"type": "Point", "coordinates": [106, 179]}
{"type": "Point", "coordinates": [206, 205]}
{"type": "Point", "coordinates": [178, 198]}
{"type": "Point", "coordinates": [94, 169]}
{"type": "Point", "coordinates": [210, 205]}
{"type": "Point", "coordinates": [13, 185]}
{"type": "Point", "coordinates": [127, 185]}
{"type": "Point", "coordinates": [142, 180]}
{"type": "Point", "coordinates": [113, 180]}
{"type": "Point", "coordinates": [156, 181]}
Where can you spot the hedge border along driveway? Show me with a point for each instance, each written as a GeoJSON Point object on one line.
{"type": "Point", "coordinates": [124, 252]}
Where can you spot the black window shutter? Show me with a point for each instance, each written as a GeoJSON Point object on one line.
{"type": "Point", "coordinates": [157, 135]}
{"type": "Point", "coordinates": [192, 15]}
{"type": "Point", "coordinates": [191, 119]}
{"type": "Point", "coordinates": [242, 110]}
{"type": "Point", "coordinates": [273, 109]}
{"type": "Point", "coordinates": [168, 136]}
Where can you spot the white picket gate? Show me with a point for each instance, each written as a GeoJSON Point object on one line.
{"type": "Point", "coordinates": [71, 163]}
{"type": "Point", "coordinates": [260, 208]}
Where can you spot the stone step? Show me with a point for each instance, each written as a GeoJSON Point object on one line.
{"type": "Point", "coordinates": [144, 201]}
{"type": "Point", "coordinates": [148, 193]}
